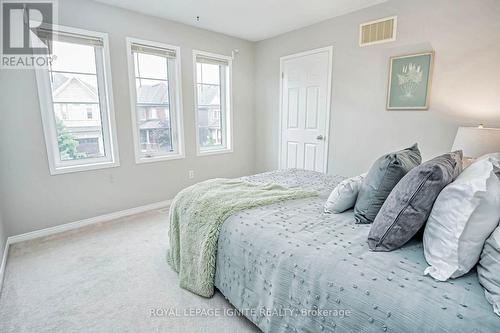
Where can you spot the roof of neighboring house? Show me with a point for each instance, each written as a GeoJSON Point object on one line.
{"type": "Point", "coordinates": [152, 124]}
{"type": "Point", "coordinates": [158, 94]}
{"type": "Point", "coordinates": [72, 89]}
{"type": "Point", "coordinates": [153, 94]}
{"type": "Point", "coordinates": [208, 95]}
{"type": "Point", "coordinates": [58, 80]}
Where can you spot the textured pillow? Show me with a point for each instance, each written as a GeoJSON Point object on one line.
{"type": "Point", "coordinates": [463, 216]}
{"type": "Point", "coordinates": [343, 196]}
{"type": "Point", "coordinates": [384, 174]}
{"type": "Point", "coordinates": [408, 206]}
{"type": "Point", "coordinates": [488, 270]}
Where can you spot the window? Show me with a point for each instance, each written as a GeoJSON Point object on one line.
{"type": "Point", "coordinates": [213, 101]}
{"type": "Point", "coordinates": [154, 71]}
{"type": "Point", "coordinates": [76, 102]}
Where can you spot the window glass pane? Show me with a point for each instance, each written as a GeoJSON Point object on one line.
{"type": "Point", "coordinates": [73, 58]}
{"type": "Point", "coordinates": [153, 110]}
{"type": "Point", "coordinates": [210, 137]}
{"type": "Point", "coordinates": [89, 146]}
{"type": "Point", "coordinates": [77, 112]}
{"type": "Point", "coordinates": [151, 91]}
{"type": "Point", "coordinates": [155, 134]}
{"type": "Point", "coordinates": [151, 66]}
{"type": "Point", "coordinates": [209, 126]}
{"type": "Point", "coordinates": [211, 106]}
{"type": "Point", "coordinates": [210, 74]}
{"type": "Point", "coordinates": [68, 87]}
{"type": "Point", "coordinates": [208, 95]}
{"type": "Point", "coordinates": [78, 137]}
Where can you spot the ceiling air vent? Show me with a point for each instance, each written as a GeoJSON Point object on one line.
{"type": "Point", "coordinates": [379, 31]}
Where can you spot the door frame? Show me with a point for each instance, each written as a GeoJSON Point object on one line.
{"type": "Point", "coordinates": [329, 49]}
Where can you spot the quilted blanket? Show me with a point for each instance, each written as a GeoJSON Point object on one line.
{"type": "Point", "coordinates": [289, 268]}
{"type": "Point", "coordinates": [196, 215]}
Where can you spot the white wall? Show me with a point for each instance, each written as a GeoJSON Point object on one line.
{"type": "Point", "coordinates": [465, 90]}
{"type": "Point", "coordinates": [32, 199]}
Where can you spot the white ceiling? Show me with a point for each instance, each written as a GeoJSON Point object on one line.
{"type": "Point", "coordinates": [248, 19]}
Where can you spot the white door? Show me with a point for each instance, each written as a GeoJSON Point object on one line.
{"type": "Point", "coordinates": [305, 109]}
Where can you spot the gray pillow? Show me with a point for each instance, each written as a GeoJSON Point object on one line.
{"type": "Point", "coordinates": [384, 174]}
{"type": "Point", "coordinates": [488, 270]}
{"type": "Point", "coordinates": [408, 206]}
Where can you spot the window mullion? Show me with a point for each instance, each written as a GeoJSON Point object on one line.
{"type": "Point", "coordinates": [50, 118]}
{"type": "Point", "coordinates": [222, 92]}
{"type": "Point", "coordinates": [138, 69]}
{"type": "Point", "coordinates": [201, 73]}
{"type": "Point", "coordinates": [103, 102]}
{"type": "Point", "coordinates": [172, 109]}
{"type": "Point", "coordinates": [73, 72]}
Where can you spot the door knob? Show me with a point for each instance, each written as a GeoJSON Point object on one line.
{"type": "Point", "coordinates": [320, 137]}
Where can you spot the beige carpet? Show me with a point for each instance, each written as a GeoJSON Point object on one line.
{"type": "Point", "coordinates": [106, 278]}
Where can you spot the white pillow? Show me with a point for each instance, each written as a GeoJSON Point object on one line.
{"type": "Point", "coordinates": [344, 195]}
{"type": "Point", "coordinates": [488, 270]}
{"type": "Point", "coordinates": [465, 213]}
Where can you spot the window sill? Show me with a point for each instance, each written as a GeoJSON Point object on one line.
{"type": "Point", "coordinates": [82, 167]}
{"type": "Point", "coordinates": [143, 160]}
{"type": "Point", "coordinates": [214, 152]}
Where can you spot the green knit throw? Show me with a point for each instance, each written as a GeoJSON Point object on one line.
{"type": "Point", "coordinates": [196, 215]}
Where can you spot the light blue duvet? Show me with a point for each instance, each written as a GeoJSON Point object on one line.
{"type": "Point", "coordinates": [289, 267]}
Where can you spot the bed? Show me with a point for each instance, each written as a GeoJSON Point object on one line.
{"type": "Point", "coordinates": [289, 267]}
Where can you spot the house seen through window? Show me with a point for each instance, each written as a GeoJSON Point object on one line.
{"type": "Point", "coordinates": [156, 120]}
{"type": "Point", "coordinates": [75, 97]}
{"type": "Point", "coordinates": [75, 105]}
{"type": "Point", "coordinates": [213, 101]}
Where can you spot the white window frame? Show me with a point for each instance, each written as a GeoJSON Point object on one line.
{"type": "Point", "coordinates": [229, 105]}
{"type": "Point", "coordinates": [111, 159]}
{"type": "Point", "coordinates": [179, 127]}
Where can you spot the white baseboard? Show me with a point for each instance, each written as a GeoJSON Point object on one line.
{"type": "Point", "coordinates": [86, 222]}
{"type": "Point", "coordinates": [73, 226]}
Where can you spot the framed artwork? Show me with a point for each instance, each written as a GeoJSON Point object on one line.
{"type": "Point", "coordinates": [410, 81]}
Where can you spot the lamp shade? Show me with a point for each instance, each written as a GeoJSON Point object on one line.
{"type": "Point", "coordinates": [477, 141]}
